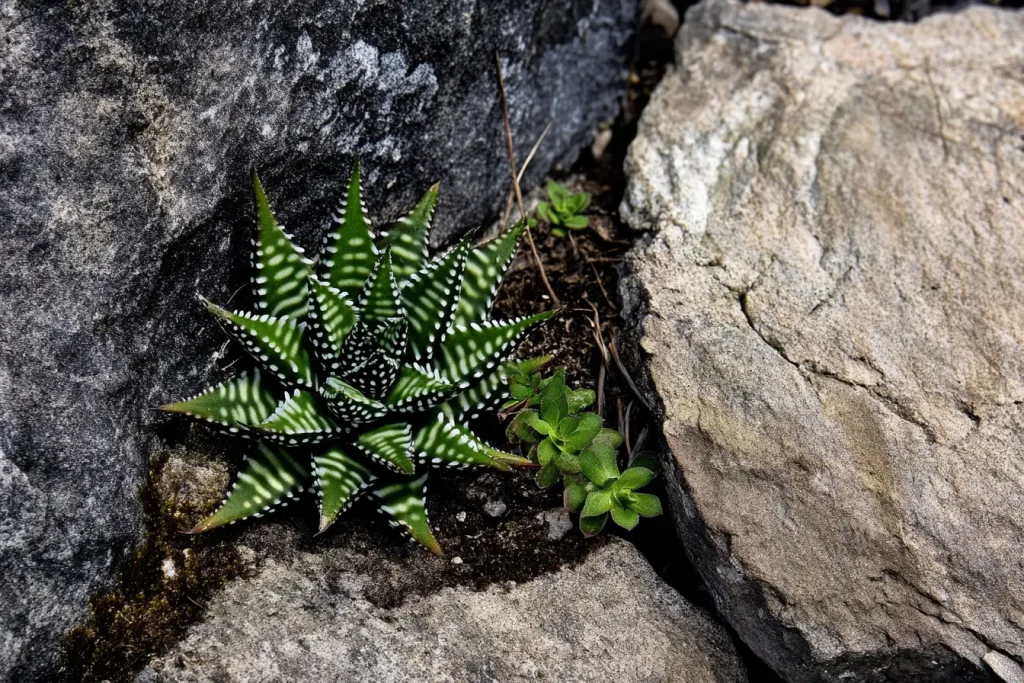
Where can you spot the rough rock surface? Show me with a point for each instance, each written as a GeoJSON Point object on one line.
{"type": "Point", "coordinates": [832, 311]}
{"type": "Point", "coordinates": [128, 131]}
{"type": "Point", "coordinates": [610, 618]}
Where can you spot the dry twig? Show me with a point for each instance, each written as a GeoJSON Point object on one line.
{"type": "Point", "coordinates": [629, 378]}
{"type": "Point", "coordinates": [522, 171]}
{"type": "Point", "coordinates": [515, 183]}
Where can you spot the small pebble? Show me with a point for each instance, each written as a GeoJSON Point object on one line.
{"type": "Point", "coordinates": [168, 568]}
{"type": "Point", "coordinates": [456, 560]}
{"type": "Point", "coordinates": [495, 508]}
{"type": "Point", "coordinates": [460, 516]}
{"type": "Point", "coordinates": [558, 522]}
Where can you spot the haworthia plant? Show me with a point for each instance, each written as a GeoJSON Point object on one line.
{"type": "Point", "coordinates": [371, 361]}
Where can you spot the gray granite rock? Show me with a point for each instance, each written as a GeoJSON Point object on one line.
{"type": "Point", "coordinates": [831, 310]}
{"type": "Point", "coordinates": [127, 134]}
{"type": "Point", "coordinates": [611, 618]}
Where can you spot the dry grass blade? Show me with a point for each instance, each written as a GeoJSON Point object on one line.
{"type": "Point", "coordinates": [595, 322]}
{"type": "Point", "coordinates": [600, 284]}
{"type": "Point", "coordinates": [641, 440]}
{"type": "Point", "coordinates": [629, 378]}
{"type": "Point", "coordinates": [515, 182]}
{"type": "Point", "coordinates": [522, 171]}
{"type": "Point", "coordinates": [625, 431]}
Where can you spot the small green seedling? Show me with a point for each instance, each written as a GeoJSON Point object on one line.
{"type": "Point", "coordinates": [577, 448]}
{"type": "Point", "coordinates": [525, 384]}
{"type": "Point", "coordinates": [608, 493]}
{"type": "Point", "coordinates": [557, 432]}
{"type": "Point", "coordinates": [565, 209]}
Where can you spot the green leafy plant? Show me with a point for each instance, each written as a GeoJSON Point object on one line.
{"type": "Point", "coordinates": [370, 363]}
{"type": "Point", "coordinates": [564, 210]}
{"type": "Point", "coordinates": [606, 492]}
{"type": "Point", "coordinates": [576, 447]}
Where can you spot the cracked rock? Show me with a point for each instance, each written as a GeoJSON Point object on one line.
{"type": "Point", "coordinates": [829, 307]}
{"type": "Point", "coordinates": [304, 620]}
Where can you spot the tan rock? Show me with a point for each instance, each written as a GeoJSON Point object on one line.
{"type": "Point", "coordinates": [832, 306]}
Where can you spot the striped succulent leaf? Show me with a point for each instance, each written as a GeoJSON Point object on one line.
{"type": "Point", "coordinates": [372, 362]}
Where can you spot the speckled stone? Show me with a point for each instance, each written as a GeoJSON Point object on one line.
{"type": "Point", "coordinates": [127, 135]}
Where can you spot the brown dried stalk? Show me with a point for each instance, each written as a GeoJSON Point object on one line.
{"type": "Point", "coordinates": [515, 183]}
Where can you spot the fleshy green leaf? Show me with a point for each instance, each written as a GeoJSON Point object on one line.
{"type": "Point", "coordinates": [297, 421]}
{"type": "Point", "coordinates": [567, 463]}
{"type": "Point", "coordinates": [535, 422]}
{"type": "Point", "coordinates": [241, 401]}
{"type": "Point", "coordinates": [579, 399]}
{"type": "Point", "coordinates": [484, 396]}
{"type": "Point", "coordinates": [485, 269]}
{"type": "Point", "coordinates": [275, 342]}
{"type": "Point", "coordinates": [527, 367]}
{"type": "Point", "coordinates": [592, 526]}
{"type": "Point", "coordinates": [575, 222]}
{"type": "Point", "coordinates": [544, 211]}
{"type": "Point", "coordinates": [598, 466]}
{"type": "Point", "coordinates": [547, 451]}
{"type": "Point", "coordinates": [332, 315]}
{"type": "Point", "coordinates": [554, 407]}
{"type": "Point", "coordinates": [647, 505]}
{"type": "Point", "coordinates": [568, 425]}
{"type": "Point", "coordinates": [339, 481]}
{"type": "Point", "coordinates": [598, 503]}
{"type": "Point", "coordinates": [379, 299]}
{"type": "Point", "coordinates": [472, 351]}
{"type": "Point", "coordinates": [349, 253]}
{"type": "Point", "coordinates": [418, 389]}
{"type": "Point", "coordinates": [520, 430]}
{"type": "Point", "coordinates": [557, 192]}
{"type": "Point", "coordinates": [625, 517]}
{"type": "Point", "coordinates": [266, 479]}
{"type": "Point", "coordinates": [608, 438]}
{"type": "Point", "coordinates": [443, 443]}
{"type": "Point", "coordinates": [575, 495]}
{"type": "Point", "coordinates": [588, 426]}
{"type": "Point", "coordinates": [404, 503]}
{"type": "Point", "coordinates": [349, 405]}
{"type": "Point", "coordinates": [280, 267]}
{"type": "Point", "coordinates": [580, 201]}
{"type": "Point", "coordinates": [430, 298]}
{"type": "Point", "coordinates": [391, 445]}
{"type": "Point", "coordinates": [634, 478]}
{"type": "Point", "coordinates": [547, 476]}
{"type": "Point", "coordinates": [408, 237]}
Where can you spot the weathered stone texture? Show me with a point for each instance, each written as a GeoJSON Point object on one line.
{"type": "Point", "coordinates": [832, 310]}
{"type": "Point", "coordinates": [127, 131]}
{"type": "Point", "coordinates": [611, 618]}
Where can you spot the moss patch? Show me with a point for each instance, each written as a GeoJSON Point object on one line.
{"type": "Point", "coordinates": [163, 586]}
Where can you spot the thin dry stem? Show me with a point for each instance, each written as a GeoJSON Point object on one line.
{"type": "Point", "coordinates": [621, 367]}
{"type": "Point", "coordinates": [519, 177]}
{"type": "Point", "coordinates": [515, 183]}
